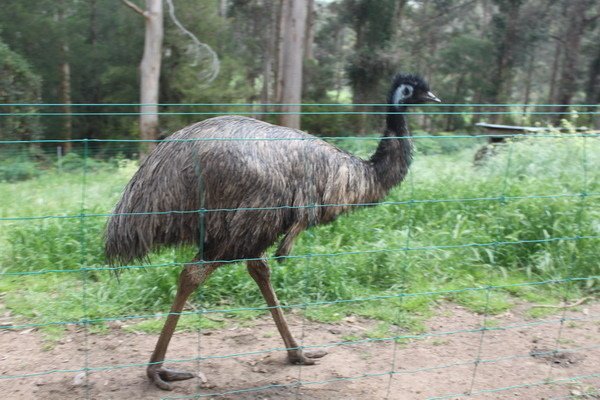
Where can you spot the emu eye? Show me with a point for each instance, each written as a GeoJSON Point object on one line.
{"type": "Point", "coordinates": [403, 92]}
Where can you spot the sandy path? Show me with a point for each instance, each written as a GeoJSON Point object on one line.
{"type": "Point", "coordinates": [419, 363]}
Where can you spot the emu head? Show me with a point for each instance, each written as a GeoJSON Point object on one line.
{"type": "Point", "coordinates": [410, 89]}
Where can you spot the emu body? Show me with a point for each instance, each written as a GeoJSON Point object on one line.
{"type": "Point", "coordinates": [237, 164]}
{"type": "Point", "coordinates": [253, 183]}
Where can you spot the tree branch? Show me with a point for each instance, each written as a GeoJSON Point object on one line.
{"type": "Point", "coordinates": [136, 8]}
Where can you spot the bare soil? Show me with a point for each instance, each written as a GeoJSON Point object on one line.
{"type": "Point", "coordinates": [438, 363]}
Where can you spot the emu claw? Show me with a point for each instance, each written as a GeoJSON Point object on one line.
{"type": "Point", "coordinates": [161, 376]}
{"type": "Point", "coordinates": [300, 358]}
{"type": "Point", "coordinates": [316, 354]}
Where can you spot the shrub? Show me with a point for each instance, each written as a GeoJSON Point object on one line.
{"type": "Point", "coordinates": [18, 169]}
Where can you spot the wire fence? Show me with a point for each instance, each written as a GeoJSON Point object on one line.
{"type": "Point", "coordinates": [493, 250]}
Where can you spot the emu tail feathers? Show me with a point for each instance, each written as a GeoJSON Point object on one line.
{"type": "Point", "coordinates": [157, 207]}
{"type": "Point", "coordinates": [124, 240]}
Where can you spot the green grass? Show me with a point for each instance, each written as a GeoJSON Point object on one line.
{"type": "Point", "coordinates": [186, 323]}
{"type": "Point", "coordinates": [536, 167]}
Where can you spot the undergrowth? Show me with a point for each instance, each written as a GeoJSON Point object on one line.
{"type": "Point", "coordinates": [456, 229]}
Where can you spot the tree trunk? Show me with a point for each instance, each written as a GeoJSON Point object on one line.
{"type": "Point", "coordinates": [487, 12]}
{"type": "Point", "coordinates": [269, 49]}
{"type": "Point", "coordinates": [95, 123]}
{"type": "Point", "coordinates": [592, 92]}
{"type": "Point", "coordinates": [477, 100]}
{"type": "Point", "coordinates": [568, 80]}
{"type": "Point", "coordinates": [266, 78]}
{"type": "Point", "coordinates": [528, 84]}
{"type": "Point", "coordinates": [222, 8]}
{"type": "Point", "coordinates": [65, 94]}
{"type": "Point", "coordinates": [554, 72]}
{"type": "Point", "coordinates": [150, 74]}
{"type": "Point", "coordinates": [457, 90]}
{"type": "Point", "coordinates": [294, 18]}
{"type": "Point", "coordinates": [359, 87]}
{"type": "Point", "coordinates": [282, 10]}
{"type": "Point", "coordinates": [339, 64]}
{"type": "Point", "coordinates": [399, 15]}
{"type": "Point", "coordinates": [93, 32]}
{"type": "Point", "coordinates": [309, 37]}
{"type": "Point", "coordinates": [505, 60]}
{"type": "Point", "coordinates": [65, 81]}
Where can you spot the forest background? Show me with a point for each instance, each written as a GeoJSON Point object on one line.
{"type": "Point", "coordinates": [524, 52]}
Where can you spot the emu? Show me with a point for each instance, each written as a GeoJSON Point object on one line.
{"type": "Point", "coordinates": [235, 165]}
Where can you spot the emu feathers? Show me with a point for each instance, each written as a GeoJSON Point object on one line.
{"type": "Point", "coordinates": [235, 164]}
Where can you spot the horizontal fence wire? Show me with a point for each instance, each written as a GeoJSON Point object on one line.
{"type": "Point", "coordinates": [584, 196]}
{"type": "Point", "coordinates": [304, 139]}
{"type": "Point", "coordinates": [300, 207]}
{"type": "Point", "coordinates": [306, 256]}
{"type": "Point", "coordinates": [335, 344]}
{"type": "Point", "coordinates": [289, 104]}
{"type": "Point", "coordinates": [258, 112]}
{"type": "Point", "coordinates": [307, 304]}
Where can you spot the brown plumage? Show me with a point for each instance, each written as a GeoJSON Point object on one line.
{"type": "Point", "coordinates": [229, 166]}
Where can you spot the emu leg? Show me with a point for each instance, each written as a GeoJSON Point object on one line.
{"type": "Point", "coordinates": [190, 278]}
{"type": "Point", "coordinates": [259, 271]}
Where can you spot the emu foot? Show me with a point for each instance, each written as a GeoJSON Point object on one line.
{"type": "Point", "coordinates": [161, 376]}
{"type": "Point", "coordinates": [305, 358]}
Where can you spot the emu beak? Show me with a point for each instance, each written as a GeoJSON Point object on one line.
{"type": "Point", "coordinates": [431, 98]}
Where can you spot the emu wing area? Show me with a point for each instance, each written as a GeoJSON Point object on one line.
{"type": "Point", "coordinates": [255, 180]}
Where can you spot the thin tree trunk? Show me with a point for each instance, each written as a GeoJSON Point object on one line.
{"type": "Point", "coordinates": [93, 38]}
{"type": "Point", "coordinates": [478, 100]}
{"type": "Point", "coordinates": [222, 8]}
{"type": "Point", "coordinates": [451, 118]}
{"type": "Point", "coordinates": [293, 55]}
{"type": "Point", "coordinates": [505, 61]}
{"type": "Point", "coordinates": [266, 77]}
{"type": "Point", "coordinates": [554, 71]}
{"type": "Point", "coordinates": [309, 37]}
{"type": "Point", "coordinates": [432, 45]}
{"type": "Point", "coordinates": [486, 11]}
{"type": "Point", "coordinates": [65, 94]}
{"type": "Point", "coordinates": [339, 64]}
{"type": "Point", "coordinates": [282, 11]}
{"type": "Point", "coordinates": [528, 84]}
{"type": "Point", "coordinates": [269, 50]}
{"type": "Point", "coordinates": [592, 89]}
{"type": "Point", "coordinates": [65, 81]}
{"type": "Point", "coordinates": [400, 12]}
{"type": "Point", "coordinates": [150, 73]}
{"type": "Point", "coordinates": [94, 125]}
{"type": "Point", "coordinates": [359, 93]}
{"type": "Point", "coordinates": [592, 92]}
{"type": "Point", "coordinates": [568, 79]}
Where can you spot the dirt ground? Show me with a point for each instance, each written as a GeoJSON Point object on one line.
{"type": "Point", "coordinates": [433, 365]}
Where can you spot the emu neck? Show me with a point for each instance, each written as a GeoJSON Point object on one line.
{"type": "Point", "coordinates": [393, 156]}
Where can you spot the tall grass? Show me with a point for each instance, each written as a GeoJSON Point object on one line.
{"type": "Point", "coordinates": [431, 240]}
